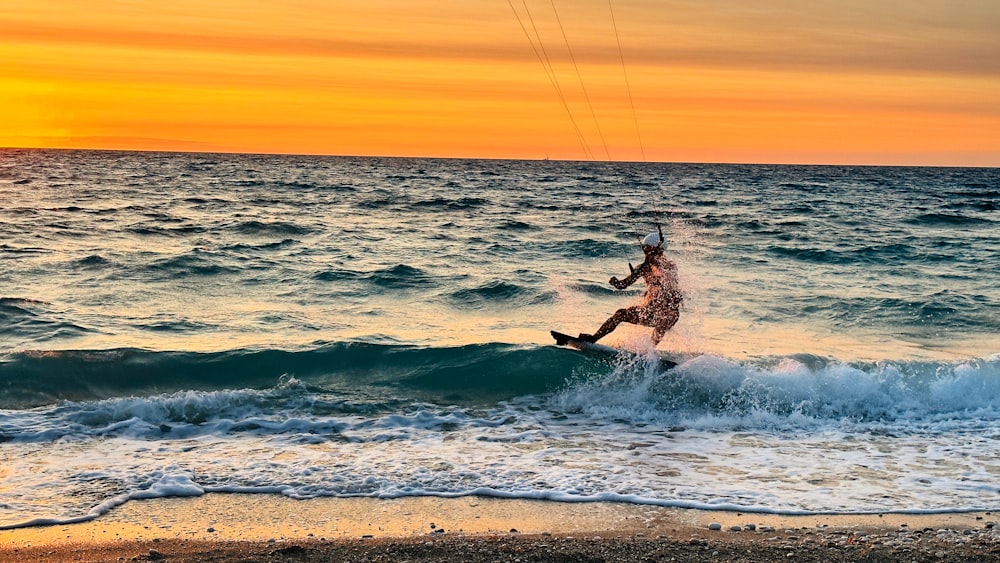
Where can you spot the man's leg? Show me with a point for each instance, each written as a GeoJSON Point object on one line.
{"type": "Point", "coordinates": [666, 323]}
{"type": "Point", "coordinates": [629, 315]}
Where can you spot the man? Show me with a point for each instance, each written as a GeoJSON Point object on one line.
{"type": "Point", "coordinates": [660, 307]}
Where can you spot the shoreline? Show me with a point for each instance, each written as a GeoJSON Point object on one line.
{"type": "Point", "coordinates": [266, 527]}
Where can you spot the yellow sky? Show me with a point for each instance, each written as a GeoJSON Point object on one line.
{"type": "Point", "coordinates": [915, 82]}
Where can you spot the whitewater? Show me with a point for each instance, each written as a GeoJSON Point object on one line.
{"type": "Point", "coordinates": [179, 324]}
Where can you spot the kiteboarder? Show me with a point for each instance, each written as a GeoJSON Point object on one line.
{"type": "Point", "coordinates": [660, 306]}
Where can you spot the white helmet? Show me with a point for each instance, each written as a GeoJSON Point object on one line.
{"type": "Point", "coordinates": [652, 239]}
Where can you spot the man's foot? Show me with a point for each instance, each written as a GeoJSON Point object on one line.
{"type": "Point", "coordinates": [586, 337]}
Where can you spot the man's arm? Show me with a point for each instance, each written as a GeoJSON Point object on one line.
{"type": "Point", "coordinates": [636, 274]}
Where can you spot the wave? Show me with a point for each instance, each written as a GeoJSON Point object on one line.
{"type": "Point", "coordinates": [602, 290]}
{"type": "Point", "coordinates": [947, 220]}
{"type": "Point", "coordinates": [385, 376]}
{"type": "Point", "coordinates": [474, 374]}
{"type": "Point", "coordinates": [267, 246]}
{"type": "Point", "coordinates": [23, 250]}
{"type": "Point", "coordinates": [499, 293]}
{"type": "Point", "coordinates": [197, 262]}
{"type": "Point", "coordinates": [401, 276]}
{"type": "Point", "coordinates": [583, 248]}
{"type": "Point", "coordinates": [514, 225]}
{"type": "Point", "coordinates": [275, 228]}
{"type": "Point", "coordinates": [877, 255]}
{"type": "Point", "coordinates": [337, 275]}
{"type": "Point", "coordinates": [709, 392]}
{"type": "Point", "coordinates": [39, 320]}
{"type": "Point", "coordinates": [921, 314]}
{"type": "Point", "coordinates": [144, 229]}
{"type": "Point", "coordinates": [92, 262]}
{"type": "Point", "coordinates": [19, 301]}
{"type": "Point", "coordinates": [448, 204]}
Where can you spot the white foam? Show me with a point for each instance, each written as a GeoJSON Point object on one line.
{"type": "Point", "coordinates": [788, 435]}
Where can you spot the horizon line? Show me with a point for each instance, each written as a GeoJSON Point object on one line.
{"type": "Point", "coordinates": [503, 159]}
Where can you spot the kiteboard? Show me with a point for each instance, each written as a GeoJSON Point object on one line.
{"type": "Point", "coordinates": [596, 349]}
{"type": "Point", "coordinates": [582, 345]}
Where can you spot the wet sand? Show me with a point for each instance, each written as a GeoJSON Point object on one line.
{"type": "Point", "coordinates": [235, 527]}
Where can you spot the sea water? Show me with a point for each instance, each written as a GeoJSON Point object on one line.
{"type": "Point", "coordinates": [177, 324]}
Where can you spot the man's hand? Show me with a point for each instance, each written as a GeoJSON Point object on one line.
{"type": "Point", "coordinates": [617, 283]}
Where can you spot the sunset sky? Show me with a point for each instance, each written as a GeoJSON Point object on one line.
{"type": "Point", "coordinates": [771, 81]}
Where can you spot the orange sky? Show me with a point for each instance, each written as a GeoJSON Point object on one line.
{"type": "Point", "coordinates": [852, 81]}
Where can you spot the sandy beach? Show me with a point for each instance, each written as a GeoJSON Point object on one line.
{"type": "Point", "coordinates": [235, 527]}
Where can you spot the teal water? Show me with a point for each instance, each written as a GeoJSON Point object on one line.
{"type": "Point", "coordinates": [382, 324]}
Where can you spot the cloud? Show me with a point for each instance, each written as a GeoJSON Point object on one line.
{"type": "Point", "coordinates": [948, 50]}
{"type": "Point", "coordinates": [114, 142]}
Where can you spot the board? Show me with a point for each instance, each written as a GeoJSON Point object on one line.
{"type": "Point", "coordinates": [582, 345]}
{"type": "Point", "coordinates": [599, 349]}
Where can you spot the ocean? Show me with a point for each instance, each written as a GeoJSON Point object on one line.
{"type": "Point", "coordinates": [180, 324]}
